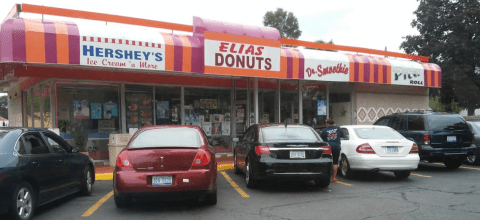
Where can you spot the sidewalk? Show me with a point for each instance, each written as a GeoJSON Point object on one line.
{"type": "Point", "coordinates": [224, 162]}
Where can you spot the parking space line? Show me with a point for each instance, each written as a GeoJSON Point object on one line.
{"type": "Point", "coordinates": [98, 204]}
{"type": "Point", "coordinates": [471, 168]}
{"type": "Point", "coordinates": [346, 184]}
{"type": "Point", "coordinates": [420, 175]}
{"type": "Point", "coordinates": [234, 185]}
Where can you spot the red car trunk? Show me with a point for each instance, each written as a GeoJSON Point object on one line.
{"type": "Point", "coordinates": [162, 159]}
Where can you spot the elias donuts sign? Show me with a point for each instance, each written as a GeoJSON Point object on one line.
{"type": "Point", "coordinates": [238, 55]}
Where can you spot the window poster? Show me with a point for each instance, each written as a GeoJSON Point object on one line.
{"type": "Point", "coordinates": [110, 109]}
{"type": "Point", "coordinates": [227, 116]}
{"type": "Point", "coordinates": [226, 128]}
{"type": "Point", "coordinates": [196, 117]}
{"type": "Point", "coordinates": [208, 103]}
{"type": "Point", "coordinates": [81, 109]}
{"type": "Point", "coordinates": [96, 110]}
{"type": "Point", "coordinates": [217, 128]}
{"type": "Point", "coordinates": [163, 110]}
{"type": "Point", "coordinates": [322, 107]}
{"type": "Point", "coordinates": [207, 128]}
{"type": "Point", "coordinates": [188, 118]}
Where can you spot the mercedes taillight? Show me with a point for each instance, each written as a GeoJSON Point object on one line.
{"type": "Point", "coordinates": [414, 149]}
{"type": "Point", "coordinates": [365, 149]}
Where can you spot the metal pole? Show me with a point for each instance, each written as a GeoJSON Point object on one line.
{"type": "Point", "coordinates": [248, 110]}
{"type": "Point", "coordinates": [278, 117]}
{"type": "Point", "coordinates": [53, 104]}
{"type": "Point", "coordinates": [42, 123]}
{"type": "Point", "coordinates": [328, 100]}
{"type": "Point", "coordinates": [351, 107]}
{"type": "Point", "coordinates": [123, 108]}
{"type": "Point", "coordinates": [154, 101]}
{"type": "Point", "coordinates": [255, 98]}
{"type": "Point", "coordinates": [300, 102]}
{"type": "Point", "coordinates": [31, 107]}
{"type": "Point", "coordinates": [182, 105]}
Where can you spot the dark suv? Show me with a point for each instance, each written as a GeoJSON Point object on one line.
{"type": "Point", "coordinates": [441, 137]}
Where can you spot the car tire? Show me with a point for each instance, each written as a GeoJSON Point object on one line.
{"type": "Point", "coordinates": [87, 181]}
{"type": "Point", "coordinates": [453, 163]}
{"type": "Point", "coordinates": [121, 202]}
{"type": "Point", "coordinates": [472, 159]}
{"type": "Point", "coordinates": [402, 174]}
{"type": "Point", "coordinates": [23, 203]}
{"type": "Point", "coordinates": [235, 166]}
{"type": "Point", "coordinates": [345, 168]}
{"type": "Point", "coordinates": [211, 198]}
{"type": "Point", "coordinates": [322, 182]}
{"type": "Point", "coordinates": [249, 179]}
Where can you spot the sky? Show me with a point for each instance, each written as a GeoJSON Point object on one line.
{"type": "Point", "coordinates": [373, 24]}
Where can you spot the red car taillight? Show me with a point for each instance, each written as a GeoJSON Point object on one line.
{"type": "Point", "coordinates": [202, 158]}
{"type": "Point", "coordinates": [123, 160]}
{"type": "Point", "coordinates": [365, 149]}
{"type": "Point", "coordinates": [259, 150]}
{"type": "Point", "coordinates": [414, 149]}
{"type": "Point", "coordinates": [326, 149]}
{"type": "Point", "coordinates": [425, 139]}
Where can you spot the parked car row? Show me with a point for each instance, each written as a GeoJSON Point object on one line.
{"type": "Point", "coordinates": [177, 162]}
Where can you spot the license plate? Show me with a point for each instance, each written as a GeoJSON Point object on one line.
{"type": "Point", "coordinates": [297, 154]}
{"type": "Point", "coordinates": [451, 138]}
{"type": "Point", "coordinates": [161, 180]}
{"type": "Point", "coordinates": [392, 149]}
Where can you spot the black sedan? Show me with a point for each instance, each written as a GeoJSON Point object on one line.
{"type": "Point", "coordinates": [37, 167]}
{"type": "Point", "coordinates": [279, 151]}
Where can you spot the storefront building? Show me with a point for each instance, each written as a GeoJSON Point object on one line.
{"type": "Point", "coordinates": [224, 77]}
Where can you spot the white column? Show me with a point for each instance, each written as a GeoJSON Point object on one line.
{"type": "Point", "coordinates": [182, 105]}
{"type": "Point", "coordinates": [248, 110]}
{"type": "Point", "coordinates": [123, 108]}
{"type": "Point", "coordinates": [42, 123]}
{"type": "Point", "coordinates": [53, 104]}
{"type": "Point", "coordinates": [255, 98]}
{"type": "Point", "coordinates": [351, 107]}
{"type": "Point", "coordinates": [31, 107]}
{"type": "Point", "coordinates": [154, 101]}
{"type": "Point", "coordinates": [300, 102]}
{"type": "Point", "coordinates": [278, 118]}
{"type": "Point", "coordinates": [233, 107]}
{"type": "Point", "coordinates": [328, 100]}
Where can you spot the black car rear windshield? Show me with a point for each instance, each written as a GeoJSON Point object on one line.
{"type": "Point", "coordinates": [289, 134]}
{"type": "Point", "coordinates": [167, 137]}
{"type": "Point", "coordinates": [446, 122]}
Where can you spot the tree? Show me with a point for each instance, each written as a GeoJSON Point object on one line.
{"type": "Point", "coordinates": [323, 42]}
{"type": "Point", "coordinates": [450, 36]}
{"type": "Point", "coordinates": [285, 22]}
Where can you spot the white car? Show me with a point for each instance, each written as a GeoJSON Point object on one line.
{"type": "Point", "coordinates": [376, 148]}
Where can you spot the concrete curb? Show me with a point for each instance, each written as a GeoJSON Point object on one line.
{"type": "Point", "coordinates": [109, 176]}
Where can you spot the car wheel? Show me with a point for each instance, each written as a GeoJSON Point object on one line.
{"type": "Point", "coordinates": [87, 181]}
{"type": "Point", "coordinates": [235, 166]}
{"type": "Point", "coordinates": [322, 182]}
{"type": "Point", "coordinates": [211, 198]}
{"type": "Point", "coordinates": [23, 205]}
{"type": "Point", "coordinates": [121, 202]}
{"type": "Point", "coordinates": [402, 174]}
{"type": "Point", "coordinates": [472, 160]}
{"type": "Point", "coordinates": [345, 168]}
{"type": "Point", "coordinates": [251, 182]}
{"type": "Point", "coordinates": [453, 163]}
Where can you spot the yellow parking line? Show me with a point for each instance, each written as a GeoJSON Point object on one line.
{"type": "Point", "coordinates": [420, 175]}
{"type": "Point", "coordinates": [98, 204]}
{"type": "Point", "coordinates": [234, 185]}
{"type": "Point", "coordinates": [346, 184]}
{"type": "Point", "coordinates": [103, 176]}
{"type": "Point", "coordinates": [225, 167]}
{"type": "Point", "coordinates": [471, 168]}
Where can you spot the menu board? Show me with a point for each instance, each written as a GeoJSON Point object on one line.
{"type": "Point", "coordinates": [139, 110]}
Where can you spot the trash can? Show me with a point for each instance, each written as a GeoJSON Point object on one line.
{"type": "Point", "coordinates": [116, 144]}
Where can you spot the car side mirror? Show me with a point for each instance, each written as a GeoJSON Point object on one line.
{"type": "Point", "coordinates": [74, 150]}
{"type": "Point", "coordinates": [236, 139]}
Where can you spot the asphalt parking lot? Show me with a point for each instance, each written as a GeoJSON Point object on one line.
{"type": "Point", "coordinates": [431, 192]}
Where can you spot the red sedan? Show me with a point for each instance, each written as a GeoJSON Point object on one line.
{"type": "Point", "coordinates": [166, 163]}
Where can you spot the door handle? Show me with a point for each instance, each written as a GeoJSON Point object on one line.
{"type": "Point", "coordinates": [34, 163]}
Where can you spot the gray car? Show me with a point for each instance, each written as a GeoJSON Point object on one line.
{"type": "Point", "coordinates": [473, 159]}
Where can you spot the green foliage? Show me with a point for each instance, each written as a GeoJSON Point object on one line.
{"type": "Point", "coordinates": [323, 42]}
{"type": "Point", "coordinates": [80, 141]}
{"type": "Point", "coordinates": [436, 104]}
{"type": "Point", "coordinates": [64, 125]}
{"type": "Point", "coordinates": [449, 35]}
{"type": "Point", "coordinates": [285, 22]}
{"type": "Point", "coordinates": [4, 106]}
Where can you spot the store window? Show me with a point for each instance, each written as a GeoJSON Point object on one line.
{"type": "Point", "coordinates": [139, 103]}
{"type": "Point", "coordinates": [339, 108]}
{"type": "Point", "coordinates": [28, 112]}
{"type": "Point", "coordinates": [47, 111]}
{"type": "Point", "coordinates": [314, 102]}
{"type": "Point", "coordinates": [289, 101]}
{"type": "Point", "coordinates": [167, 105]}
{"type": "Point", "coordinates": [267, 101]}
{"type": "Point", "coordinates": [88, 108]}
{"type": "Point", "coordinates": [210, 109]}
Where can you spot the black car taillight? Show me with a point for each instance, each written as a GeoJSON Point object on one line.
{"type": "Point", "coordinates": [259, 150]}
{"type": "Point", "coordinates": [425, 139]}
{"type": "Point", "coordinates": [326, 149]}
